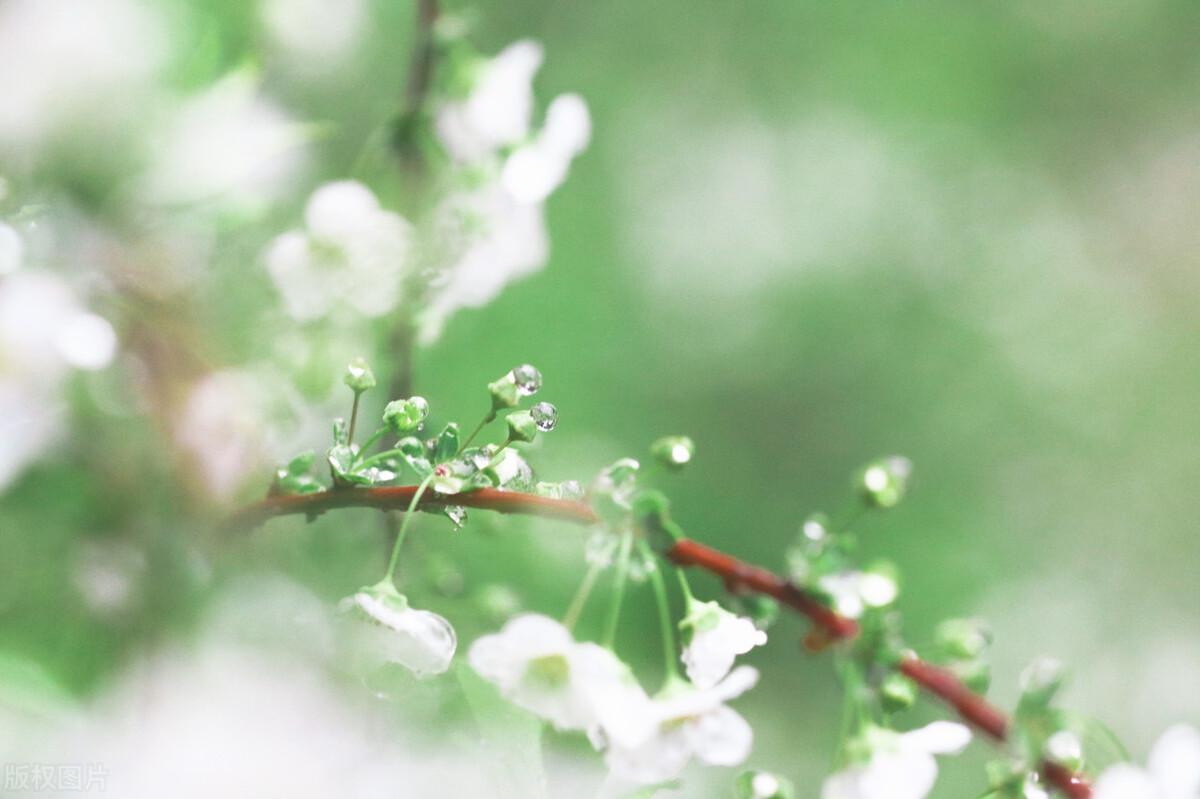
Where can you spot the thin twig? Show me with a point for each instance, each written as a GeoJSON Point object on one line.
{"type": "Point", "coordinates": [738, 576]}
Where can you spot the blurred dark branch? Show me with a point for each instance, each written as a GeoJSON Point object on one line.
{"type": "Point", "coordinates": [738, 576]}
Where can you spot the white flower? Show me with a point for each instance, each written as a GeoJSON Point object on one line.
{"type": "Point", "coordinates": [714, 638]}
{"type": "Point", "coordinates": [902, 765]}
{"type": "Point", "coordinates": [495, 232]}
{"type": "Point", "coordinates": [44, 333]}
{"type": "Point", "coordinates": [685, 722]}
{"type": "Point", "coordinates": [389, 631]}
{"type": "Point", "coordinates": [537, 665]}
{"type": "Point", "coordinates": [497, 240]}
{"type": "Point", "coordinates": [228, 145]}
{"type": "Point", "coordinates": [498, 110]}
{"type": "Point", "coordinates": [74, 68]}
{"type": "Point", "coordinates": [237, 422]}
{"type": "Point", "coordinates": [1172, 772]}
{"type": "Point", "coordinates": [535, 170]}
{"type": "Point", "coordinates": [853, 592]}
{"type": "Point", "coordinates": [353, 253]}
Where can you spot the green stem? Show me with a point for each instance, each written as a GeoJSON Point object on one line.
{"type": "Point", "coordinates": [353, 419]}
{"type": "Point", "coordinates": [408, 515]}
{"type": "Point", "coordinates": [581, 596]}
{"type": "Point", "coordinates": [378, 434]}
{"type": "Point", "coordinates": [380, 456]}
{"type": "Point", "coordinates": [670, 667]}
{"type": "Point", "coordinates": [614, 610]}
{"type": "Point", "coordinates": [478, 428]}
{"type": "Point", "coordinates": [688, 599]}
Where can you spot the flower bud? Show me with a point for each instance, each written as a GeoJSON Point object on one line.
{"type": "Point", "coordinates": [405, 415]}
{"type": "Point", "coordinates": [521, 426]}
{"type": "Point", "coordinates": [1041, 680]}
{"type": "Point", "coordinates": [523, 381]}
{"type": "Point", "coordinates": [1064, 748]}
{"type": "Point", "coordinates": [674, 452]}
{"type": "Point", "coordinates": [883, 483]}
{"type": "Point", "coordinates": [763, 785]}
{"type": "Point", "coordinates": [897, 692]}
{"type": "Point", "coordinates": [963, 638]}
{"type": "Point", "coordinates": [359, 376]}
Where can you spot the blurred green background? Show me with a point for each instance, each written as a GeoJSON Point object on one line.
{"type": "Point", "coordinates": [805, 234]}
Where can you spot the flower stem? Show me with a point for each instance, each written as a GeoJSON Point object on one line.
{"type": "Point", "coordinates": [408, 515]}
{"type": "Point", "coordinates": [353, 419]}
{"type": "Point", "coordinates": [670, 667]}
{"type": "Point", "coordinates": [482, 423]}
{"type": "Point", "coordinates": [380, 456]}
{"type": "Point", "coordinates": [581, 596]}
{"type": "Point", "coordinates": [614, 610]}
{"type": "Point", "coordinates": [685, 587]}
{"type": "Point", "coordinates": [378, 434]}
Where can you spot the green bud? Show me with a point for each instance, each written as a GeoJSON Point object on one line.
{"type": "Point", "coordinates": [359, 376]}
{"type": "Point", "coordinates": [763, 785]}
{"type": "Point", "coordinates": [963, 639]}
{"type": "Point", "coordinates": [1065, 748]}
{"type": "Point", "coordinates": [521, 426]}
{"type": "Point", "coordinates": [897, 693]}
{"type": "Point", "coordinates": [405, 415]}
{"type": "Point", "coordinates": [447, 444]}
{"type": "Point", "coordinates": [1040, 681]}
{"type": "Point", "coordinates": [883, 483]}
{"type": "Point", "coordinates": [341, 458]}
{"type": "Point", "coordinates": [651, 511]}
{"type": "Point", "coordinates": [674, 452]}
{"type": "Point", "coordinates": [522, 381]}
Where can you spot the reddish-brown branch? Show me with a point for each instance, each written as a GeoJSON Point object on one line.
{"type": "Point", "coordinates": [738, 576]}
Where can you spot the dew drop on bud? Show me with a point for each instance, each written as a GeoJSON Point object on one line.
{"type": "Point", "coordinates": [545, 416]}
{"type": "Point", "coordinates": [527, 379]}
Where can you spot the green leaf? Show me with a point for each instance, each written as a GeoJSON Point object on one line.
{"type": "Point", "coordinates": [447, 444]}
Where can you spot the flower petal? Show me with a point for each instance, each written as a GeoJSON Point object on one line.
{"type": "Point", "coordinates": [938, 738]}
{"type": "Point", "coordinates": [1175, 762]}
{"type": "Point", "coordinates": [720, 738]}
{"type": "Point", "coordinates": [1124, 781]}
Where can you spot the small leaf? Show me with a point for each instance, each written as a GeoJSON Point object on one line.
{"type": "Point", "coordinates": [447, 444]}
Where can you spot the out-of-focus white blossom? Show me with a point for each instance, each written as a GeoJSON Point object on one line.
{"type": "Point", "coordinates": [389, 631]}
{"type": "Point", "coordinates": [901, 765]}
{"type": "Point", "coordinates": [313, 32]}
{"type": "Point", "coordinates": [71, 67]}
{"type": "Point", "coordinates": [1172, 772]}
{"type": "Point", "coordinates": [853, 592]}
{"type": "Point", "coordinates": [12, 251]}
{"type": "Point", "coordinates": [500, 240]}
{"type": "Point", "coordinates": [44, 333]}
{"type": "Point", "coordinates": [236, 423]}
{"type": "Point", "coordinates": [495, 232]}
{"type": "Point", "coordinates": [536, 169]}
{"type": "Point", "coordinates": [106, 575]}
{"type": "Point", "coordinates": [499, 109]}
{"type": "Point", "coordinates": [714, 638]}
{"type": "Point", "coordinates": [227, 145]}
{"type": "Point", "coordinates": [685, 722]}
{"type": "Point", "coordinates": [353, 253]}
{"type": "Point", "coordinates": [537, 665]}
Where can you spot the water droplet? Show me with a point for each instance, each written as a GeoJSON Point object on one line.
{"type": "Point", "coordinates": [571, 489]}
{"type": "Point", "coordinates": [600, 548]}
{"type": "Point", "coordinates": [545, 416]}
{"type": "Point", "coordinates": [480, 457]}
{"type": "Point", "coordinates": [1065, 747]}
{"type": "Point", "coordinates": [674, 452]}
{"type": "Point", "coordinates": [456, 514]}
{"type": "Point", "coordinates": [814, 528]}
{"type": "Point", "coordinates": [527, 379]}
{"type": "Point", "coordinates": [762, 785]}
